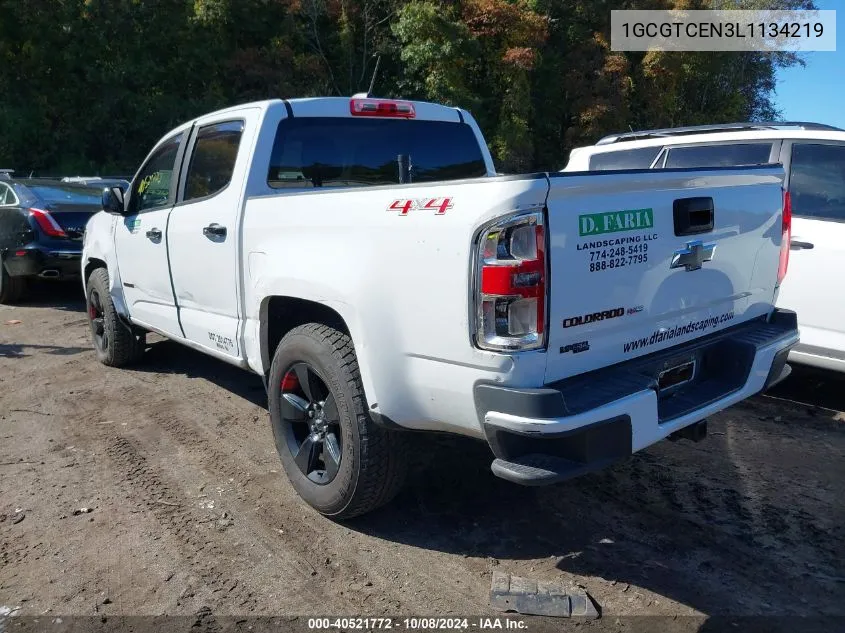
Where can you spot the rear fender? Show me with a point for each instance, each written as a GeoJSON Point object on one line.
{"type": "Point", "coordinates": [400, 281]}
{"type": "Point", "coordinates": [260, 357]}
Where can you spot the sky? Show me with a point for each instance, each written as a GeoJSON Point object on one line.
{"type": "Point", "coordinates": [816, 93]}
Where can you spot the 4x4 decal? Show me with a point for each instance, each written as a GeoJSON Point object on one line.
{"type": "Point", "coordinates": [405, 205]}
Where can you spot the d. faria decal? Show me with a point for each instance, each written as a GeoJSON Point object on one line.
{"type": "Point", "coordinates": [615, 221]}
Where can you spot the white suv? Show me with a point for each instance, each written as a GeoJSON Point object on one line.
{"type": "Point", "coordinates": [813, 156]}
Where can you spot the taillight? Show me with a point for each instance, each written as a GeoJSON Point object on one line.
{"type": "Point", "coordinates": [783, 264]}
{"type": "Point", "coordinates": [510, 287]}
{"type": "Point", "coordinates": [382, 107]}
{"type": "Point", "coordinates": [47, 223]}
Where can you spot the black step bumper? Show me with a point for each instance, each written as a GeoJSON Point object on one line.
{"type": "Point", "coordinates": [584, 423]}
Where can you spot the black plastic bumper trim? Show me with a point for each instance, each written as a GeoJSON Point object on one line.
{"type": "Point", "coordinates": [780, 370]}
{"type": "Point", "coordinates": [594, 389]}
{"type": "Point", "coordinates": [533, 459]}
{"type": "Point", "coordinates": [529, 403]}
{"type": "Point", "coordinates": [538, 461]}
{"type": "Point", "coordinates": [543, 470]}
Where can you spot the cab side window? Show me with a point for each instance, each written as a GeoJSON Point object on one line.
{"type": "Point", "coordinates": [817, 181]}
{"type": "Point", "coordinates": [153, 186]}
{"type": "Point", "coordinates": [213, 159]}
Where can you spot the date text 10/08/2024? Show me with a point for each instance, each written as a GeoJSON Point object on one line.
{"type": "Point", "coordinates": [415, 624]}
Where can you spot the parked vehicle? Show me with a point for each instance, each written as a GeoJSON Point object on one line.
{"type": "Point", "coordinates": [99, 181]}
{"type": "Point", "coordinates": [41, 227]}
{"type": "Point", "coordinates": [363, 257]}
{"type": "Point", "coordinates": [813, 156]}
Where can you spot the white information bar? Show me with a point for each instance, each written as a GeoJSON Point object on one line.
{"type": "Point", "coordinates": [766, 31]}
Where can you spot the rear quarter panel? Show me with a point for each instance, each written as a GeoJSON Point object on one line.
{"type": "Point", "coordinates": [400, 281]}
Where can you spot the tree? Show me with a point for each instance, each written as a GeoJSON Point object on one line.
{"type": "Point", "coordinates": [92, 84]}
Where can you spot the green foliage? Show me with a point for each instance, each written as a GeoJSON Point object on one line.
{"type": "Point", "coordinates": [437, 52]}
{"type": "Point", "coordinates": [90, 85]}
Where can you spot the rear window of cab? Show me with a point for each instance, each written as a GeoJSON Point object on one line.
{"type": "Point", "coordinates": [349, 152]}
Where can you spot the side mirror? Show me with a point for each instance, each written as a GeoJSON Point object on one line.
{"type": "Point", "coordinates": [113, 200]}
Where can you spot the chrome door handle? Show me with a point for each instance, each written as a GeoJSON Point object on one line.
{"type": "Point", "coordinates": [214, 229]}
{"type": "Point", "coordinates": [154, 234]}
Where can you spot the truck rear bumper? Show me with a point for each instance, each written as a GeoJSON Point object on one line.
{"type": "Point", "coordinates": [547, 435]}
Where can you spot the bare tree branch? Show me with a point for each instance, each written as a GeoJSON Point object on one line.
{"type": "Point", "coordinates": [313, 12]}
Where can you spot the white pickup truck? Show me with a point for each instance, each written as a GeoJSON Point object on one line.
{"type": "Point", "coordinates": [364, 258]}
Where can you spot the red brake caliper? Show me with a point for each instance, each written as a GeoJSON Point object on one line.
{"type": "Point", "coordinates": [290, 381]}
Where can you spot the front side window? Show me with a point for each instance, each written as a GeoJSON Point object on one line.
{"type": "Point", "coordinates": [213, 159]}
{"type": "Point", "coordinates": [731, 155]}
{"type": "Point", "coordinates": [817, 181]}
{"type": "Point", "coordinates": [640, 158]}
{"type": "Point", "coordinates": [348, 152]}
{"type": "Point", "coordinates": [153, 186]}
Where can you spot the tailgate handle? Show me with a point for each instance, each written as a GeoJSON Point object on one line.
{"type": "Point", "coordinates": [693, 215]}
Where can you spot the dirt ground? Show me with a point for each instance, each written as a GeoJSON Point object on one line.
{"type": "Point", "coordinates": [189, 510]}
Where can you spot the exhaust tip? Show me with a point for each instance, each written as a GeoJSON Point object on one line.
{"type": "Point", "coordinates": [50, 273]}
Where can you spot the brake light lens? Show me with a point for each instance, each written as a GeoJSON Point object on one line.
{"type": "Point", "coordinates": [510, 295]}
{"type": "Point", "coordinates": [783, 264]}
{"type": "Point", "coordinates": [382, 108]}
{"type": "Point", "coordinates": [47, 223]}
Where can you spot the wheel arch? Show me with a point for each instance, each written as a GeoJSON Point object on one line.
{"type": "Point", "coordinates": [280, 314]}
{"type": "Point", "coordinates": [92, 263]}
{"type": "Point", "coordinates": [90, 266]}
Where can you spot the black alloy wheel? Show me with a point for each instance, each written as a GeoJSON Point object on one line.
{"type": "Point", "coordinates": [311, 423]}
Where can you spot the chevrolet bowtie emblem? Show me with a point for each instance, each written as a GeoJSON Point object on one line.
{"type": "Point", "coordinates": [693, 256]}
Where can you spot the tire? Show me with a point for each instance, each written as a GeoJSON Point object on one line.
{"type": "Point", "coordinates": [373, 460]}
{"type": "Point", "coordinates": [11, 288]}
{"type": "Point", "coordinates": [115, 343]}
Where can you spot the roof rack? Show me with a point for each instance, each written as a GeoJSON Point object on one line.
{"type": "Point", "coordinates": [89, 180]}
{"type": "Point", "coordinates": [711, 129]}
{"type": "Point", "coordinates": [80, 178]}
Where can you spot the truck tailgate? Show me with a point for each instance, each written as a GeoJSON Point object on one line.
{"type": "Point", "coordinates": [642, 261]}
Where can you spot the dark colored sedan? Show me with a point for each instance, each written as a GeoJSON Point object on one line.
{"type": "Point", "coordinates": [42, 223]}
